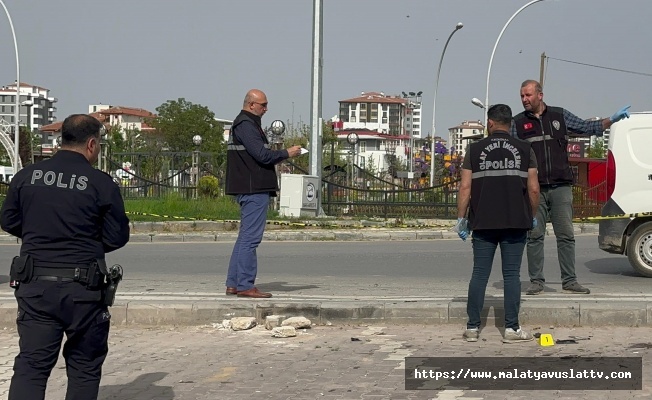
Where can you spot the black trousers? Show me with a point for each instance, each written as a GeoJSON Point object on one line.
{"type": "Point", "coordinates": [47, 310]}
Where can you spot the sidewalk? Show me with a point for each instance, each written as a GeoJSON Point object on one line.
{"type": "Point", "coordinates": [345, 362]}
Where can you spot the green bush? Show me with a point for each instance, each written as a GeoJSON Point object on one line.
{"type": "Point", "coordinates": [209, 187]}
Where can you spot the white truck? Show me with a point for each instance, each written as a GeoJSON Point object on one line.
{"type": "Point", "coordinates": [627, 224]}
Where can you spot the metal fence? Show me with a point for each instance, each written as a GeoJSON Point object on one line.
{"type": "Point", "coordinates": [588, 201]}
{"type": "Point", "coordinates": [349, 191]}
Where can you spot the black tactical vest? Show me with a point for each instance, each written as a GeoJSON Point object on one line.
{"type": "Point", "coordinates": [499, 195]}
{"type": "Point", "coordinates": [245, 175]}
{"type": "Point", "coordinates": [549, 139]}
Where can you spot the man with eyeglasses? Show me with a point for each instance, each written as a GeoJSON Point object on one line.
{"type": "Point", "coordinates": [251, 178]}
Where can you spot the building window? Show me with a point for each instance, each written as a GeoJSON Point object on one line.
{"type": "Point", "coordinates": [363, 106]}
{"type": "Point", "coordinates": [363, 146]}
{"type": "Point", "coordinates": [352, 118]}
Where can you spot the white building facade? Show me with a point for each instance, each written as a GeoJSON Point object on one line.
{"type": "Point", "coordinates": [461, 135]}
{"type": "Point", "coordinates": [388, 126]}
{"type": "Point", "coordinates": [37, 105]}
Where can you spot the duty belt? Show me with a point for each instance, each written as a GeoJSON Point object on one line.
{"type": "Point", "coordinates": [60, 272]}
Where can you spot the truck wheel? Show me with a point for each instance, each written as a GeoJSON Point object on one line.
{"type": "Point", "coordinates": [639, 249]}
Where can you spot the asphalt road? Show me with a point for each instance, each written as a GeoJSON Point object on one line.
{"type": "Point", "coordinates": [426, 268]}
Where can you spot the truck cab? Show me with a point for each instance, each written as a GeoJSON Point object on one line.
{"type": "Point", "coordinates": [626, 227]}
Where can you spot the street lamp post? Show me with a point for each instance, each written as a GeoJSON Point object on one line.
{"type": "Point", "coordinates": [491, 59]}
{"type": "Point", "coordinates": [277, 129]}
{"type": "Point", "coordinates": [352, 138]}
{"type": "Point", "coordinates": [28, 106]}
{"type": "Point", "coordinates": [196, 140]}
{"type": "Point", "coordinates": [413, 102]}
{"type": "Point", "coordinates": [434, 104]}
{"type": "Point", "coordinates": [17, 103]}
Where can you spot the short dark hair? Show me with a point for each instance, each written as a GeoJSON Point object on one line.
{"type": "Point", "coordinates": [500, 113]}
{"type": "Point", "coordinates": [77, 128]}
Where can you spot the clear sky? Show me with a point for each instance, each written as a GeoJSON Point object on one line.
{"type": "Point", "coordinates": [141, 53]}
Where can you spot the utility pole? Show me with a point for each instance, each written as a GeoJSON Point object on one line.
{"type": "Point", "coordinates": [541, 69]}
{"type": "Point", "coordinates": [316, 97]}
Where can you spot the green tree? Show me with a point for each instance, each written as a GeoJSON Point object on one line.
{"type": "Point", "coordinates": [116, 139]}
{"type": "Point", "coordinates": [598, 150]}
{"type": "Point", "coordinates": [179, 120]}
{"type": "Point", "coordinates": [300, 135]}
{"type": "Point", "coordinates": [371, 166]}
{"type": "Point", "coordinates": [25, 145]}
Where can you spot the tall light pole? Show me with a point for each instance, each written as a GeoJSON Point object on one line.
{"type": "Point", "coordinates": [17, 105]}
{"type": "Point", "coordinates": [434, 105]}
{"type": "Point", "coordinates": [315, 101]}
{"type": "Point", "coordinates": [196, 140]}
{"type": "Point", "coordinates": [486, 100]}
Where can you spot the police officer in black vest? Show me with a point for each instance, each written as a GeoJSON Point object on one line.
{"type": "Point", "coordinates": [499, 180]}
{"type": "Point", "coordinates": [68, 215]}
{"type": "Point", "coordinates": [547, 128]}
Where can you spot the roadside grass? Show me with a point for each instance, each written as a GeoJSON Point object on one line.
{"type": "Point", "coordinates": [221, 208]}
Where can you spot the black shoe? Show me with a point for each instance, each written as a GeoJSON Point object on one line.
{"type": "Point", "coordinates": [575, 288]}
{"type": "Point", "coordinates": [534, 288]}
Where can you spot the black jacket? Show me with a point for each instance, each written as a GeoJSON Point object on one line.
{"type": "Point", "coordinates": [65, 211]}
{"type": "Point", "coordinates": [249, 159]}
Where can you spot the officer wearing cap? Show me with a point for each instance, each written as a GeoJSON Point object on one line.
{"type": "Point", "coordinates": [68, 215]}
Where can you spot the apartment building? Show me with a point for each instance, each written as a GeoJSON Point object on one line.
{"type": "Point", "coordinates": [461, 135]}
{"type": "Point", "coordinates": [374, 111]}
{"type": "Point", "coordinates": [128, 118]}
{"type": "Point", "coordinates": [389, 126]}
{"type": "Point", "coordinates": [36, 109]}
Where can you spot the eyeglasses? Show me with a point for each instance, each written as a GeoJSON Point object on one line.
{"type": "Point", "coordinates": [264, 105]}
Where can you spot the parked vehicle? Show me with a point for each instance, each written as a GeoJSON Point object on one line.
{"type": "Point", "coordinates": [629, 192]}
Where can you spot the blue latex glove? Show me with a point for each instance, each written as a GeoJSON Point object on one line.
{"type": "Point", "coordinates": [462, 228]}
{"type": "Point", "coordinates": [535, 223]}
{"type": "Point", "coordinates": [620, 114]}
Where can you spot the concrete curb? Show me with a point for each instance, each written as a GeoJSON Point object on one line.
{"type": "Point", "coordinates": [547, 312]}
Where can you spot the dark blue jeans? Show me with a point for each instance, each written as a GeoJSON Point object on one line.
{"type": "Point", "coordinates": [485, 242]}
{"type": "Point", "coordinates": [243, 265]}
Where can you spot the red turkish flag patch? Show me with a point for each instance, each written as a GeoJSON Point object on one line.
{"type": "Point", "coordinates": [527, 125]}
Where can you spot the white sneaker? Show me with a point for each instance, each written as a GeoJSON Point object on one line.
{"type": "Point", "coordinates": [512, 336]}
{"type": "Point", "coordinates": [471, 334]}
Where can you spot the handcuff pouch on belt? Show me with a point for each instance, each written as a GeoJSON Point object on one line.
{"type": "Point", "coordinates": [95, 276]}
{"type": "Point", "coordinates": [21, 270]}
